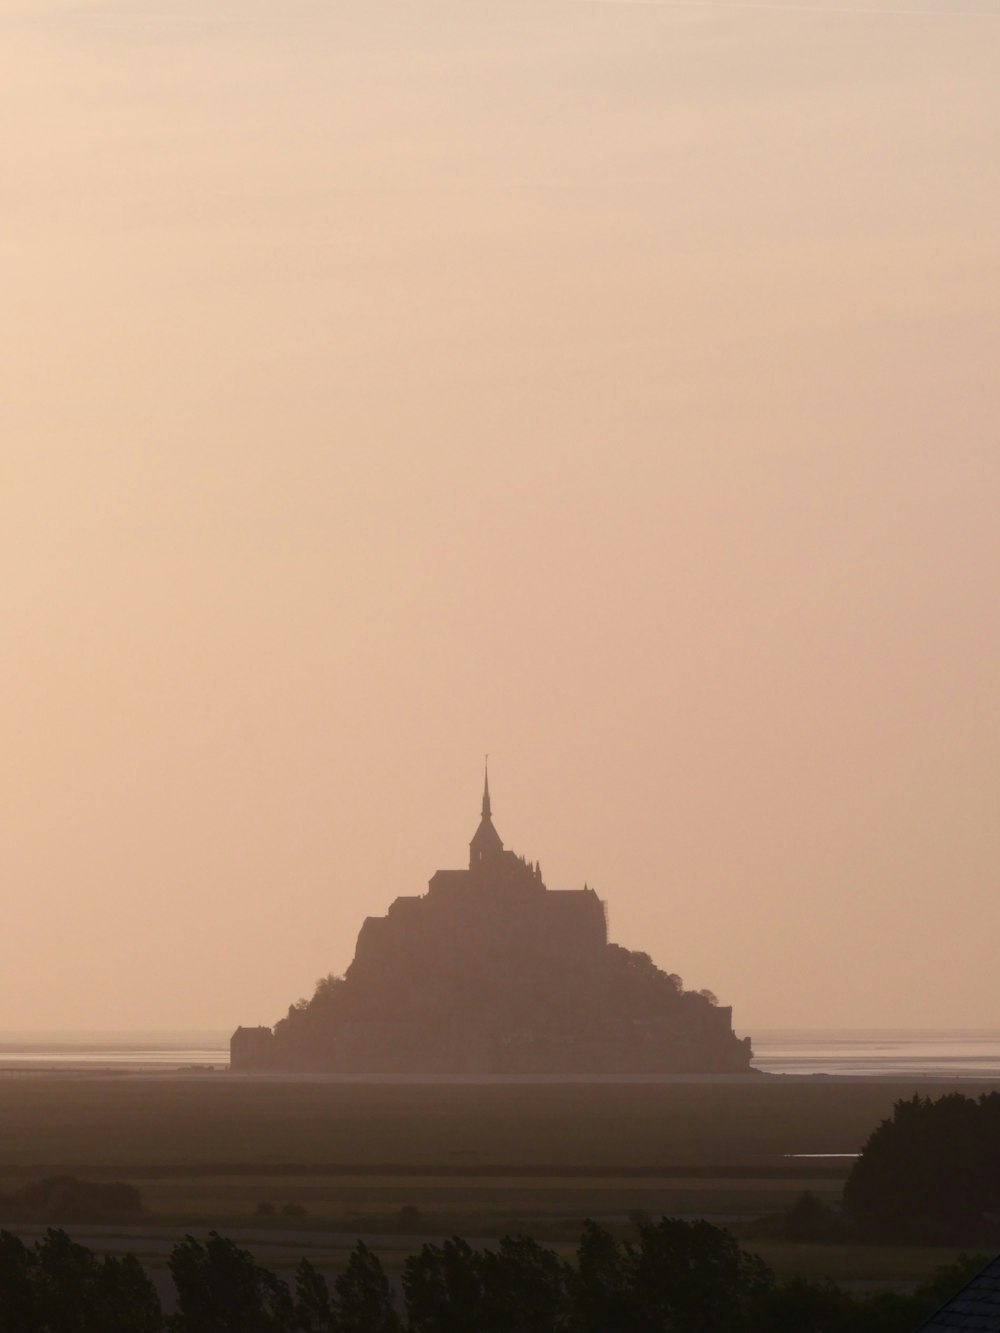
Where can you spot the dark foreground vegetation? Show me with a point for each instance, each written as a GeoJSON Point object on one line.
{"type": "Point", "coordinates": [675, 1277]}
{"type": "Point", "coordinates": [67, 1199]}
{"type": "Point", "coordinates": [929, 1174]}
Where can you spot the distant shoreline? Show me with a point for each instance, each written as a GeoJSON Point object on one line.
{"type": "Point", "coordinates": [208, 1074]}
{"type": "Point", "coordinates": [822, 1055]}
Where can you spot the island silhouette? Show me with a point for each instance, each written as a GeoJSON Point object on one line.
{"type": "Point", "coordinates": [489, 973]}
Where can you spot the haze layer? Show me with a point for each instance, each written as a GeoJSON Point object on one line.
{"type": "Point", "coordinates": [608, 386]}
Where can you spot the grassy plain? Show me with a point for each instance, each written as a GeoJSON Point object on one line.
{"type": "Point", "coordinates": [209, 1121]}
{"type": "Point", "coordinates": [476, 1159]}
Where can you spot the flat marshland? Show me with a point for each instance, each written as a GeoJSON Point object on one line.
{"type": "Point", "coordinates": [472, 1159]}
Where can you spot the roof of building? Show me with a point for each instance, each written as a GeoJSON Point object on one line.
{"type": "Point", "coordinates": [486, 843]}
{"type": "Point", "coordinates": [975, 1308]}
{"type": "Point", "coordinates": [486, 836]}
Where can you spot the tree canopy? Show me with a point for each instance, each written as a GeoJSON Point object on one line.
{"type": "Point", "coordinates": [931, 1172]}
{"type": "Point", "coordinates": [673, 1277]}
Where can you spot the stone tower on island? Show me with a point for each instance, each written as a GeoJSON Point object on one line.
{"type": "Point", "coordinates": [490, 972]}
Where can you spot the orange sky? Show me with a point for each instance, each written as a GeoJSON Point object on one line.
{"type": "Point", "coordinates": [612, 387]}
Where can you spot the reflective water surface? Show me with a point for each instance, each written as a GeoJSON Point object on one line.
{"type": "Point", "coordinates": [881, 1053]}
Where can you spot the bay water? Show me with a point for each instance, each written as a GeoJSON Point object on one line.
{"type": "Point", "coordinates": [885, 1053]}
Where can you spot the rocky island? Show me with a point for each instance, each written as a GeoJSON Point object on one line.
{"type": "Point", "coordinates": [488, 973]}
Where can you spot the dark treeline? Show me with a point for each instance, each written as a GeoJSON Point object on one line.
{"type": "Point", "coordinates": [58, 1199]}
{"type": "Point", "coordinates": [675, 1277]}
{"type": "Point", "coordinates": [928, 1175]}
{"type": "Point", "coordinates": [931, 1173]}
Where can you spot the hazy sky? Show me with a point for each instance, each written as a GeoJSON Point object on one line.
{"type": "Point", "coordinates": [609, 386]}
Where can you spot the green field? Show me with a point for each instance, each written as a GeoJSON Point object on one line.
{"type": "Point", "coordinates": [474, 1159]}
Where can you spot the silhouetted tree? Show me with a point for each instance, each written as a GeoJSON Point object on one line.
{"type": "Point", "coordinates": [444, 1288]}
{"type": "Point", "coordinates": [801, 1305]}
{"type": "Point", "coordinates": [68, 1199]}
{"type": "Point", "coordinates": [526, 1287]}
{"type": "Point", "coordinates": [678, 1277]}
{"type": "Point", "coordinates": [520, 1286]}
{"type": "Point", "coordinates": [314, 1311]}
{"type": "Point", "coordinates": [804, 1306]}
{"type": "Point", "coordinates": [809, 1220]}
{"type": "Point", "coordinates": [603, 1298]}
{"type": "Point", "coordinates": [79, 1293]}
{"type": "Point", "coordinates": [363, 1301]}
{"type": "Point", "coordinates": [19, 1287]}
{"type": "Point", "coordinates": [222, 1289]}
{"type": "Point", "coordinates": [931, 1172]}
{"type": "Point", "coordinates": [693, 1277]}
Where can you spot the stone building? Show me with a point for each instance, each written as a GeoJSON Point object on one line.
{"type": "Point", "coordinates": [491, 972]}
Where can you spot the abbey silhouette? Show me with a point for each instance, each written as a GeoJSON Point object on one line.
{"type": "Point", "coordinates": [490, 972]}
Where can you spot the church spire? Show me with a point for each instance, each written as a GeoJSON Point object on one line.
{"type": "Point", "coordinates": [486, 847]}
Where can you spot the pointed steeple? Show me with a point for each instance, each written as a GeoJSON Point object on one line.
{"type": "Point", "coordinates": [486, 846]}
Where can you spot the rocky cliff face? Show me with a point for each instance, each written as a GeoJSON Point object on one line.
{"type": "Point", "coordinates": [490, 972]}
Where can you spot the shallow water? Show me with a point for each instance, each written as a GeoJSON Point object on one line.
{"type": "Point", "coordinates": [113, 1050]}
{"type": "Point", "coordinates": [875, 1053]}
{"type": "Point", "coordinates": [879, 1052]}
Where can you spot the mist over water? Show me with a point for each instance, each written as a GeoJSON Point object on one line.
{"type": "Point", "coordinates": [113, 1050]}
{"type": "Point", "coordinates": [883, 1054]}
